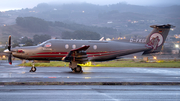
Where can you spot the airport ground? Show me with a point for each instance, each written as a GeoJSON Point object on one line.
{"type": "Point", "coordinates": [89, 93]}
{"type": "Point", "coordinates": [169, 63]}
{"type": "Point", "coordinates": [94, 84]}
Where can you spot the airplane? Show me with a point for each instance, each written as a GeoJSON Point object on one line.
{"type": "Point", "coordinates": [81, 51]}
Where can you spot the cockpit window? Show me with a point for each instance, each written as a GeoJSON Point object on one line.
{"type": "Point", "coordinates": [42, 44]}
{"type": "Point", "coordinates": [47, 44]}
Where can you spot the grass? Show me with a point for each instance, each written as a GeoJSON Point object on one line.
{"type": "Point", "coordinates": [51, 64]}
{"type": "Point", "coordinates": [115, 63]}
{"type": "Point", "coordinates": [132, 63]}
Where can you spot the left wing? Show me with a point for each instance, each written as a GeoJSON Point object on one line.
{"type": "Point", "coordinates": [77, 55]}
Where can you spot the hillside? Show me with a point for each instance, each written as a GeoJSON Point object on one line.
{"type": "Point", "coordinates": [108, 20]}
{"type": "Point", "coordinates": [30, 26]}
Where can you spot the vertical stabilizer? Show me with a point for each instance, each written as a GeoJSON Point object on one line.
{"type": "Point", "coordinates": [157, 37]}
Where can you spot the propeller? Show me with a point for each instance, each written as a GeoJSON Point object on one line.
{"type": "Point", "coordinates": [10, 53]}
{"type": "Point", "coordinates": [9, 43]}
{"type": "Point", "coordinates": [10, 59]}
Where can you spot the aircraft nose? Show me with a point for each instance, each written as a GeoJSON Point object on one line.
{"type": "Point", "coordinates": [7, 51]}
{"type": "Point", "coordinates": [14, 52]}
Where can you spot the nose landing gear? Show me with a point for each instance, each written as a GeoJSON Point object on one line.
{"type": "Point", "coordinates": [33, 68]}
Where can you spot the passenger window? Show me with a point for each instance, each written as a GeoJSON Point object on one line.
{"type": "Point", "coordinates": [73, 46]}
{"type": "Point", "coordinates": [47, 45]}
{"type": "Point", "coordinates": [66, 46]}
{"type": "Point", "coordinates": [95, 47]}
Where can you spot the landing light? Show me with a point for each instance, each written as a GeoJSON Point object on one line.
{"type": "Point", "coordinates": [87, 64]}
{"type": "Point", "coordinates": [177, 46]}
{"type": "Point", "coordinates": [3, 56]}
{"type": "Point", "coordinates": [154, 57]}
{"type": "Point", "coordinates": [135, 57]}
{"type": "Point", "coordinates": [87, 77]}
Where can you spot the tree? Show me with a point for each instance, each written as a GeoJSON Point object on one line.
{"type": "Point", "coordinates": [29, 43]}
{"type": "Point", "coordinates": [81, 34]}
{"type": "Point", "coordinates": [33, 24]}
{"type": "Point", "coordinates": [19, 21]}
{"type": "Point", "coordinates": [40, 38]}
{"type": "Point", "coordinates": [86, 35]}
{"type": "Point", "coordinates": [26, 41]}
{"type": "Point", "coordinates": [67, 35]}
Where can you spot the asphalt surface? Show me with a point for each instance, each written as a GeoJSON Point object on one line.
{"type": "Point", "coordinates": [89, 93]}
{"type": "Point", "coordinates": [15, 74]}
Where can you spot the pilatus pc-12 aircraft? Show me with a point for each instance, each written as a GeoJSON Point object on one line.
{"type": "Point", "coordinates": [81, 51]}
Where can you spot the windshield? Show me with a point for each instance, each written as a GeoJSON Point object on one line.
{"type": "Point", "coordinates": [47, 44]}
{"type": "Point", "coordinates": [41, 44]}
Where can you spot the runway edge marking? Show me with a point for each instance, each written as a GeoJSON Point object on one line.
{"type": "Point", "coordinates": [89, 83]}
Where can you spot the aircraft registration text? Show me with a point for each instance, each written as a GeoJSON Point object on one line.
{"type": "Point", "coordinates": [138, 40]}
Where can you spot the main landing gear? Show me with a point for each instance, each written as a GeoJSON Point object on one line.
{"type": "Point", "coordinates": [75, 68]}
{"type": "Point", "coordinates": [33, 68]}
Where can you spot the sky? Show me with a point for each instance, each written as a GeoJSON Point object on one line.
{"type": "Point", "coordinates": [19, 4]}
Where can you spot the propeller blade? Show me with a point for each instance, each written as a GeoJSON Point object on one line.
{"type": "Point", "coordinates": [9, 43]}
{"type": "Point", "coordinates": [10, 59]}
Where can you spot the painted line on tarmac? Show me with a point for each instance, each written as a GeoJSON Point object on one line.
{"type": "Point", "coordinates": [89, 83]}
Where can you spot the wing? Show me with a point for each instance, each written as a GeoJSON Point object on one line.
{"type": "Point", "coordinates": [77, 55]}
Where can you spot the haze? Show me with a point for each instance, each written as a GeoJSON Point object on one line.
{"type": "Point", "coordinates": [18, 4]}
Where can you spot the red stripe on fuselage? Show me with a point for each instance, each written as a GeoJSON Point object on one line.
{"type": "Point", "coordinates": [53, 53]}
{"type": "Point", "coordinates": [44, 56]}
{"type": "Point", "coordinates": [90, 54]}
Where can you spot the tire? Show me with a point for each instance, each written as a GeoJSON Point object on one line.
{"type": "Point", "coordinates": [33, 69]}
{"type": "Point", "coordinates": [78, 69]}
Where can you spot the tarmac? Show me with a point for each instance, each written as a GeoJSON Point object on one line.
{"type": "Point", "coordinates": [89, 93]}
{"type": "Point", "coordinates": [13, 73]}
{"type": "Point", "coordinates": [94, 84]}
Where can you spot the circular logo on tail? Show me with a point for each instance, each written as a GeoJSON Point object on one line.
{"type": "Point", "coordinates": [159, 37]}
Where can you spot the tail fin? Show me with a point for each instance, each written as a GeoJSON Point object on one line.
{"type": "Point", "coordinates": [157, 37]}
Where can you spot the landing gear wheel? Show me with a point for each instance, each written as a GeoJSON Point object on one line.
{"type": "Point", "coordinates": [33, 69]}
{"type": "Point", "coordinates": [73, 70]}
{"type": "Point", "coordinates": [78, 69]}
